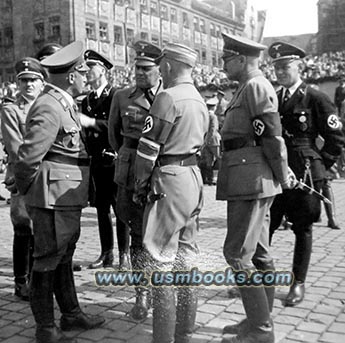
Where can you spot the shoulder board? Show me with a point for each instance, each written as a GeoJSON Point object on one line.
{"type": "Point", "coordinates": [58, 97]}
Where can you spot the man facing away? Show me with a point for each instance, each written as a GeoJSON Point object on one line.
{"type": "Point", "coordinates": [52, 171]}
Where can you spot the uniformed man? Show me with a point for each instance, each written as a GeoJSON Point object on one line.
{"type": "Point", "coordinates": [94, 118]}
{"type": "Point", "coordinates": [253, 168]}
{"type": "Point", "coordinates": [47, 50]}
{"type": "Point", "coordinates": [166, 163]}
{"type": "Point", "coordinates": [305, 113]}
{"type": "Point", "coordinates": [52, 171]}
{"type": "Point", "coordinates": [30, 78]}
{"type": "Point", "coordinates": [129, 108]}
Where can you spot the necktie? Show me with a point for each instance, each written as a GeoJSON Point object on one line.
{"type": "Point", "coordinates": [286, 96]}
{"type": "Point", "coordinates": [149, 96]}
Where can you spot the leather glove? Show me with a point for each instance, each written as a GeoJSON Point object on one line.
{"type": "Point", "coordinates": [140, 193]}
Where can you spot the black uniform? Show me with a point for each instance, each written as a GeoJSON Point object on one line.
{"type": "Point", "coordinates": [307, 114]}
{"type": "Point", "coordinates": [102, 171]}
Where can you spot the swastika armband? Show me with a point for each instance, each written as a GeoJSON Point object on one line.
{"type": "Point", "coordinates": [267, 124]}
{"type": "Point", "coordinates": [333, 122]}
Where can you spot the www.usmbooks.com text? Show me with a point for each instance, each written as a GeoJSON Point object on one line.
{"type": "Point", "coordinates": [194, 278]}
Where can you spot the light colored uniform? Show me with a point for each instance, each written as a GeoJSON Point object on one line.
{"type": "Point", "coordinates": [173, 132]}
{"type": "Point", "coordinates": [52, 170]}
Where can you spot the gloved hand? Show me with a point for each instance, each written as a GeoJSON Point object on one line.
{"type": "Point", "coordinates": [291, 181]}
{"type": "Point", "coordinates": [140, 193]}
{"type": "Point", "coordinates": [87, 121]}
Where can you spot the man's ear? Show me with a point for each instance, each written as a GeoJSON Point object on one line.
{"type": "Point", "coordinates": [71, 78]}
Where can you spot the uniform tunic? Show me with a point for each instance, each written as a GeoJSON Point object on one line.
{"type": "Point", "coordinates": [13, 119]}
{"type": "Point", "coordinates": [129, 109]}
{"type": "Point", "coordinates": [174, 129]}
{"type": "Point", "coordinates": [306, 115]}
{"type": "Point", "coordinates": [252, 168]}
{"type": "Point", "coordinates": [52, 170]}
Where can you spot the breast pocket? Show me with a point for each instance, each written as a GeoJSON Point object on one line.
{"type": "Point", "coordinates": [68, 187]}
{"type": "Point", "coordinates": [133, 118]}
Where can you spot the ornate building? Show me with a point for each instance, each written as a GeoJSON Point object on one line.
{"type": "Point", "coordinates": [331, 33]}
{"type": "Point", "coordinates": [110, 26]}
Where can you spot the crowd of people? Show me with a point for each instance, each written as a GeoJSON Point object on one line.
{"type": "Point", "coordinates": [132, 141]}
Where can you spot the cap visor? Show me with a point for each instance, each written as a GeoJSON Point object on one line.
{"type": "Point", "coordinates": [30, 75]}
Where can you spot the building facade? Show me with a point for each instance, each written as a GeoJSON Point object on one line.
{"type": "Point", "coordinates": [110, 26]}
{"type": "Point", "coordinates": [331, 30]}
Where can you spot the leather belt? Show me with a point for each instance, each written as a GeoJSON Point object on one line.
{"type": "Point", "coordinates": [130, 143]}
{"type": "Point", "coordinates": [310, 142]}
{"type": "Point", "coordinates": [59, 158]}
{"type": "Point", "coordinates": [177, 160]}
{"type": "Point", "coordinates": [238, 143]}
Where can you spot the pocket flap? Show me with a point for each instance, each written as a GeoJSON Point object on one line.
{"type": "Point", "coordinates": [244, 156]}
{"type": "Point", "coordinates": [65, 174]}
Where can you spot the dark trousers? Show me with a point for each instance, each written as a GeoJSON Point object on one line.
{"type": "Point", "coordinates": [105, 199]}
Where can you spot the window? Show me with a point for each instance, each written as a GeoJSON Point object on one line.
{"type": "Point", "coordinates": [8, 36]}
{"type": "Point", "coordinates": [203, 56]}
{"type": "Point", "coordinates": [214, 58]}
{"type": "Point", "coordinates": [173, 15]}
{"type": "Point", "coordinates": [54, 23]}
{"type": "Point", "coordinates": [119, 2]}
{"type": "Point", "coordinates": [130, 36]}
{"type": "Point", "coordinates": [144, 36]}
{"type": "Point", "coordinates": [90, 30]}
{"type": "Point", "coordinates": [155, 40]}
{"type": "Point", "coordinates": [118, 35]}
{"type": "Point", "coordinates": [185, 20]}
{"type": "Point", "coordinates": [212, 30]}
{"type": "Point", "coordinates": [202, 26]}
{"type": "Point", "coordinates": [164, 12]}
{"type": "Point", "coordinates": [39, 31]}
{"type": "Point", "coordinates": [143, 6]}
{"type": "Point", "coordinates": [103, 31]}
{"type": "Point", "coordinates": [154, 8]}
{"type": "Point", "coordinates": [196, 23]}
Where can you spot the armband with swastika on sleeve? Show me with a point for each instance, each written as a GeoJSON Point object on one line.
{"type": "Point", "coordinates": [267, 124]}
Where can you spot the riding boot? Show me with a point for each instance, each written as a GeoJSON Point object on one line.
{"type": "Point", "coordinates": [22, 256]}
{"type": "Point", "coordinates": [259, 328]}
{"type": "Point", "coordinates": [301, 259]}
{"type": "Point", "coordinates": [105, 228]}
{"type": "Point", "coordinates": [42, 306]}
{"type": "Point", "coordinates": [330, 208]}
{"type": "Point", "coordinates": [164, 315]}
{"type": "Point", "coordinates": [142, 294]}
{"type": "Point", "coordinates": [187, 302]}
{"type": "Point", "coordinates": [122, 234]}
{"type": "Point", "coordinates": [65, 293]}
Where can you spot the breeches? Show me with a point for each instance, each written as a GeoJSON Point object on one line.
{"type": "Point", "coordinates": [55, 236]}
{"type": "Point", "coordinates": [172, 222]}
{"type": "Point", "coordinates": [246, 244]}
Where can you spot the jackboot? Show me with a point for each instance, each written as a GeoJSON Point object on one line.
{"type": "Point", "coordinates": [42, 306]}
{"type": "Point", "coordinates": [187, 302]}
{"type": "Point", "coordinates": [105, 260]}
{"type": "Point", "coordinates": [164, 315]}
{"type": "Point", "coordinates": [301, 259]}
{"type": "Point", "coordinates": [330, 208]}
{"type": "Point", "coordinates": [22, 256]}
{"type": "Point", "coordinates": [142, 294]}
{"type": "Point", "coordinates": [259, 326]}
{"type": "Point", "coordinates": [122, 234]}
{"type": "Point", "coordinates": [124, 261]}
{"type": "Point", "coordinates": [72, 316]}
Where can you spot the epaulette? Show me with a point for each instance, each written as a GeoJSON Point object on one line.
{"type": "Point", "coordinates": [58, 97]}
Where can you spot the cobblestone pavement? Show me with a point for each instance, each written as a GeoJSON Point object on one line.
{"type": "Point", "coordinates": [320, 318]}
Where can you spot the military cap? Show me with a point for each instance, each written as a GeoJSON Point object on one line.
{"type": "Point", "coordinates": [67, 58]}
{"type": "Point", "coordinates": [146, 53]}
{"type": "Point", "coordinates": [180, 53]}
{"type": "Point", "coordinates": [29, 67]}
{"type": "Point", "coordinates": [47, 50]}
{"type": "Point", "coordinates": [93, 57]}
{"type": "Point", "coordinates": [284, 51]}
{"type": "Point", "coordinates": [236, 45]}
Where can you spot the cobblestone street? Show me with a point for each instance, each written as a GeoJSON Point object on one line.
{"type": "Point", "coordinates": [319, 318]}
